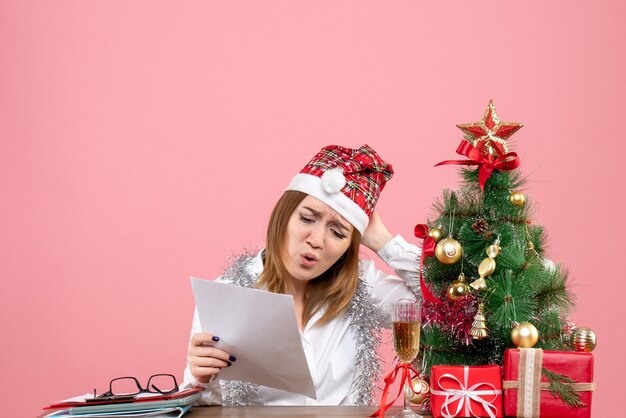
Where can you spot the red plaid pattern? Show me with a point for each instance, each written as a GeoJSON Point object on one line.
{"type": "Point", "coordinates": [365, 172]}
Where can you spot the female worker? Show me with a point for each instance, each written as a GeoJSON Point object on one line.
{"type": "Point", "coordinates": [340, 302]}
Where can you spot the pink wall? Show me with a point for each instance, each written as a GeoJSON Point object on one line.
{"type": "Point", "coordinates": [143, 142]}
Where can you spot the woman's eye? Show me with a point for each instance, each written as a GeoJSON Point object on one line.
{"type": "Point", "coordinates": [338, 234]}
{"type": "Point", "coordinates": [305, 219]}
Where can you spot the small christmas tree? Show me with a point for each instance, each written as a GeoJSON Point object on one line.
{"type": "Point", "coordinates": [484, 234]}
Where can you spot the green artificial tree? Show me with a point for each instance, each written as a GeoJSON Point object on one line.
{"type": "Point", "coordinates": [488, 272]}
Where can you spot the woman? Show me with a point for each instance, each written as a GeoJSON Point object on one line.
{"type": "Point", "coordinates": [312, 252]}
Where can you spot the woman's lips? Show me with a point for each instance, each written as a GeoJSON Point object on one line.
{"type": "Point", "coordinates": [307, 261]}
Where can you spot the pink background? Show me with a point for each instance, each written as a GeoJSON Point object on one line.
{"type": "Point", "coordinates": [144, 141]}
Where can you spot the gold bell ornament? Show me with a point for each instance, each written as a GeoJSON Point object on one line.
{"type": "Point", "coordinates": [448, 251]}
{"type": "Point", "coordinates": [583, 339]}
{"type": "Point", "coordinates": [458, 288]}
{"type": "Point", "coordinates": [525, 335]}
{"type": "Point", "coordinates": [479, 328]}
{"type": "Point", "coordinates": [487, 266]}
{"type": "Point", "coordinates": [436, 233]}
{"type": "Point", "coordinates": [517, 198]}
{"type": "Point", "coordinates": [421, 390]}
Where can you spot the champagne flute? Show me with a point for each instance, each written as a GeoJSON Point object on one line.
{"type": "Point", "coordinates": [405, 315]}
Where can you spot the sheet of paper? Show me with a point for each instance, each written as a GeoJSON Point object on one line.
{"type": "Point", "coordinates": [260, 329]}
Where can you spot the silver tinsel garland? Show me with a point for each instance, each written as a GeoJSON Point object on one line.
{"type": "Point", "coordinates": [234, 392]}
{"type": "Point", "coordinates": [366, 319]}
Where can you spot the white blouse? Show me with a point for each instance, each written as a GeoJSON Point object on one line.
{"type": "Point", "coordinates": [330, 349]}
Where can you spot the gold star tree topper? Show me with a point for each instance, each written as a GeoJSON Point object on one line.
{"type": "Point", "coordinates": [490, 134]}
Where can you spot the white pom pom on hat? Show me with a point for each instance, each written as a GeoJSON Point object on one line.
{"type": "Point", "coordinates": [333, 181]}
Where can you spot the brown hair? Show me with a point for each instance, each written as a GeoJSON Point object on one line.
{"type": "Point", "coordinates": [333, 289]}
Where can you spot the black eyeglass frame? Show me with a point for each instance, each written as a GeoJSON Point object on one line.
{"type": "Point", "coordinates": [140, 389]}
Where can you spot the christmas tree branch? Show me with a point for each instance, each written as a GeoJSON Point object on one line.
{"type": "Point", "coordinates": [550, 326]}
{"type": "Point", "coordinates": [554, 292]}
{"type": "Point", "coordinates": [561, 386]}
{"type": "Point", "coordinates": [511, 301]}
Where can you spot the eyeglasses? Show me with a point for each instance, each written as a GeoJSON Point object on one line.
{"type": "Point", "coordinates": [128, 387]}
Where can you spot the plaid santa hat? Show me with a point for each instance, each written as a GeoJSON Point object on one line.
{"type": "Point", "coordinates": [348, 180]}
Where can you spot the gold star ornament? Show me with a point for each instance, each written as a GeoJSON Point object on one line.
{"type": "Point", "coordinates": [490, 134]}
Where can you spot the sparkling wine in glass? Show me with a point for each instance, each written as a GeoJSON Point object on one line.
{"type": "Point", "coordinates": [405, 315]}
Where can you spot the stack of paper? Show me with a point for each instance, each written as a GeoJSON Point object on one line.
{"type": "Point", "coordinates": [144, 405]}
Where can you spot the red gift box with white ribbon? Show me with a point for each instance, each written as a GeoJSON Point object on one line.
{"type": "Point", "coordinates": [466, 391]}
{"type": "Point", "coordinates": [526, 385]}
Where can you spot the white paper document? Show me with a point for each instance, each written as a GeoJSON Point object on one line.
{"type": "Point", "coordinates": [260, 329]}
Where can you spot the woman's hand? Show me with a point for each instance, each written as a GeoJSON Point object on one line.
{"type": "Point", "coordinates": [376, 235]}
{"type": "Point", "coordinates": [205, 360]}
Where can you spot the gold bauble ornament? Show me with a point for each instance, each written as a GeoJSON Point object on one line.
{"type": "Point", "coordinates": [517, 198]}
{"type": "Point", "coordinates": [421, 390]}
{"type": "Point", "coordinates": [583, 339]}
{"type": "Point", "coordinates": [458, 288]}
{"type": "Point", "coordinates": [448, 251]}
{"type": "Point", "coordinates": [525, 335]}
{"type": "Point", "coordinates": [436, 233]}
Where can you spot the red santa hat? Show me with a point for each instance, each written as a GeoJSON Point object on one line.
{"type": "Point", "coordinates": [348, 180]}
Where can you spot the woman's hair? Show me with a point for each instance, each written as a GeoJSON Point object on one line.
{"type": "Point", "coordinates": [333, 289]}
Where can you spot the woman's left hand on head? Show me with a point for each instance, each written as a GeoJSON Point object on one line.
{"type": "Point", "coordinates": [376, 235]}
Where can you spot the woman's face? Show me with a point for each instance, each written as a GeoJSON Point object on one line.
{"type": "Point", "coordinates": [317, 237]}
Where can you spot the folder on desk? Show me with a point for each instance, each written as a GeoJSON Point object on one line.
{"type": "Point", "coordinates": [167, 412]}
{"type": "Point", "coordinates": [172, 405]}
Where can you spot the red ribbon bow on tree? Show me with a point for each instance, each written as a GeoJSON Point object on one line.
{"type": "Point", "coordinates": [406, 378]}
{"type": "Point", "coordinates": [487, 164]}
{"type": "Point", "coordinates": [428, 249]}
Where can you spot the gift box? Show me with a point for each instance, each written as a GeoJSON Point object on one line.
{"type": "Point", "coordinates": [466, 391]}
{"type": "Point", "coordinates": [526, 384]}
